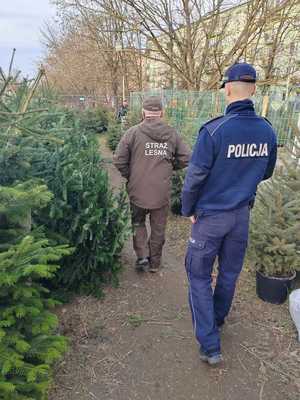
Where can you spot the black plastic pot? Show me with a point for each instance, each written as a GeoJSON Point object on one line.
{"type": "Point", "coordinates": [273, 289]}
{"type": "Point", "coordinates": [298, 279]}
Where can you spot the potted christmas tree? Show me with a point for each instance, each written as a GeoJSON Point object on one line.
{"type": "Point", "coordinates": [275, 230]}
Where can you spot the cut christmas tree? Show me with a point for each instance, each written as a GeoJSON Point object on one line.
{"type": "Point", "coordinates": [54, 192]}
{"type": "Point", "coordinates": [41, 140]}
{"type": "Point", "coordinates": [28, 345]}
{"type": "Point", "coordinates": [275, 229]}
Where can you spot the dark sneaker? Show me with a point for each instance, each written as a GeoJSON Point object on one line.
{"type": "Point", "coordinates": [213, 359]}
{"type": "Point", "coordinates": [142, 263]}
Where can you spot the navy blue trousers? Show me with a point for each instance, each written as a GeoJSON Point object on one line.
{"type": "Point", "coordinates": [223, 235]}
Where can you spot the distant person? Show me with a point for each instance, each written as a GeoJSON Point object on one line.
{"type": "Point", "coordinates": [123, 110]}
{"type": "Point", "coordinates": [232, 155]}
{"type": "Point", "coordinates": [146, 157]}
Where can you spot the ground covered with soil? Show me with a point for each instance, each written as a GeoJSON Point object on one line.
{"type": "Point", "coordinates": [137, 342]}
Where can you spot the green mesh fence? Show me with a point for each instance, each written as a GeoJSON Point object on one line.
{"type": "Point", "coordinates": [284, 116]}
{"type": "Point", "coordinates": [187, 111]}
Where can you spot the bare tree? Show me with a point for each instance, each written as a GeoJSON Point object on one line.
{"type": "Point", "coordinates": [198, 39]}
{"type": "Point", "coordinates": [191, 41]}
{"type": "Point", "coordinates": [276, 49]}
{"type": "Point", "coordinates": [114, 49]}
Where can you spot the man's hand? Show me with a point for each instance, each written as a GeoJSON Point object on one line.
{"type": "Point", "coordinates": [193, 219]}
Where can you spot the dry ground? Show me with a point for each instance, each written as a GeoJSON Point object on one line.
{"type": "Point", "coordinates": [137, 342]}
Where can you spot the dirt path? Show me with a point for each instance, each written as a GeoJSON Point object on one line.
{"type": "Point", "coordinates": [137, 342]}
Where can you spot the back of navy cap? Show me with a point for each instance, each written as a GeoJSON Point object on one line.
{"type": "Point", "coordinates": [240, 72]}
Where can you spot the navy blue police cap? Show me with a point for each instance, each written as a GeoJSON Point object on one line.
{"type": "Point", "coordinates": [240, 72]}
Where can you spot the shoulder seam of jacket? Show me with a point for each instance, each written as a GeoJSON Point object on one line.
{"type": "Point", "coordinates": [222, 123]}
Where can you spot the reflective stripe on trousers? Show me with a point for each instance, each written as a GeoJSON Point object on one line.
{"type": "Point", "coordinates": [224, 234]}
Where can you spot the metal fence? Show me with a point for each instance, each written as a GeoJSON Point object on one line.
{"type": "Point", "coordinates": [187, 111]}
{"type": "Point", "coordinates": [83, 101]}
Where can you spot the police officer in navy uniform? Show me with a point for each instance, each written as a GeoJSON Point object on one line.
{"type": "Point", "coordinates": [232, 155]}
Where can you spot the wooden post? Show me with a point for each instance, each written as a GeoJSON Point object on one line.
{"type": "Point", "coordinates": [217, 99]}
{"type": "Point", "coordinates": [123, 87]}
{"type": "Point", "coordinates": [265, 106]}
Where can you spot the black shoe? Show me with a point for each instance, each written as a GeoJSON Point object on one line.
{"type": "Point", "coordinates": [142, 263]}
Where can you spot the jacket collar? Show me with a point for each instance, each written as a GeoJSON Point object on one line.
{"type": "Point", "coordinates": [240, 107]}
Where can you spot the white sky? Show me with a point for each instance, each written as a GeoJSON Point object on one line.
{"type": "Point", "coordinates": [20, 24]}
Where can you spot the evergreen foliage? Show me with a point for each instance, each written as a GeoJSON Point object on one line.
{"type": "Point", "coordinates": [85, 213]}
{"type": "Point", "coordinates": [275, 227]}
{"type": "Point", "coordinates": [44, 146]}
{"type": "Point", "coordinates": [177, 184]}
{"type": "Point", "coordinates": [133, 117]}
{"type": "Point", "coordinates": [28, 346]}
{"type": "Point", "coordinates": [17, 204]}
{"type": "Point", "coordinates": [94, 120]}
{"type": "Point", "coordinates": [116, 129]}
{"type": "Point", "coordinates": [115, 132]}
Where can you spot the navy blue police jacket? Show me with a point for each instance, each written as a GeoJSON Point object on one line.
{"type": "Point", "coordinates": [232, 155]}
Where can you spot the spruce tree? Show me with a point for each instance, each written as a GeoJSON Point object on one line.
{"type": "Point", "coordinates": [275, 227]}
{"type": "Point", "coordinates": [41, 140]}
{"type": "Point", "coordinates": [28, 347]}
{"type": "Point", "coordinates": [28, 343]}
